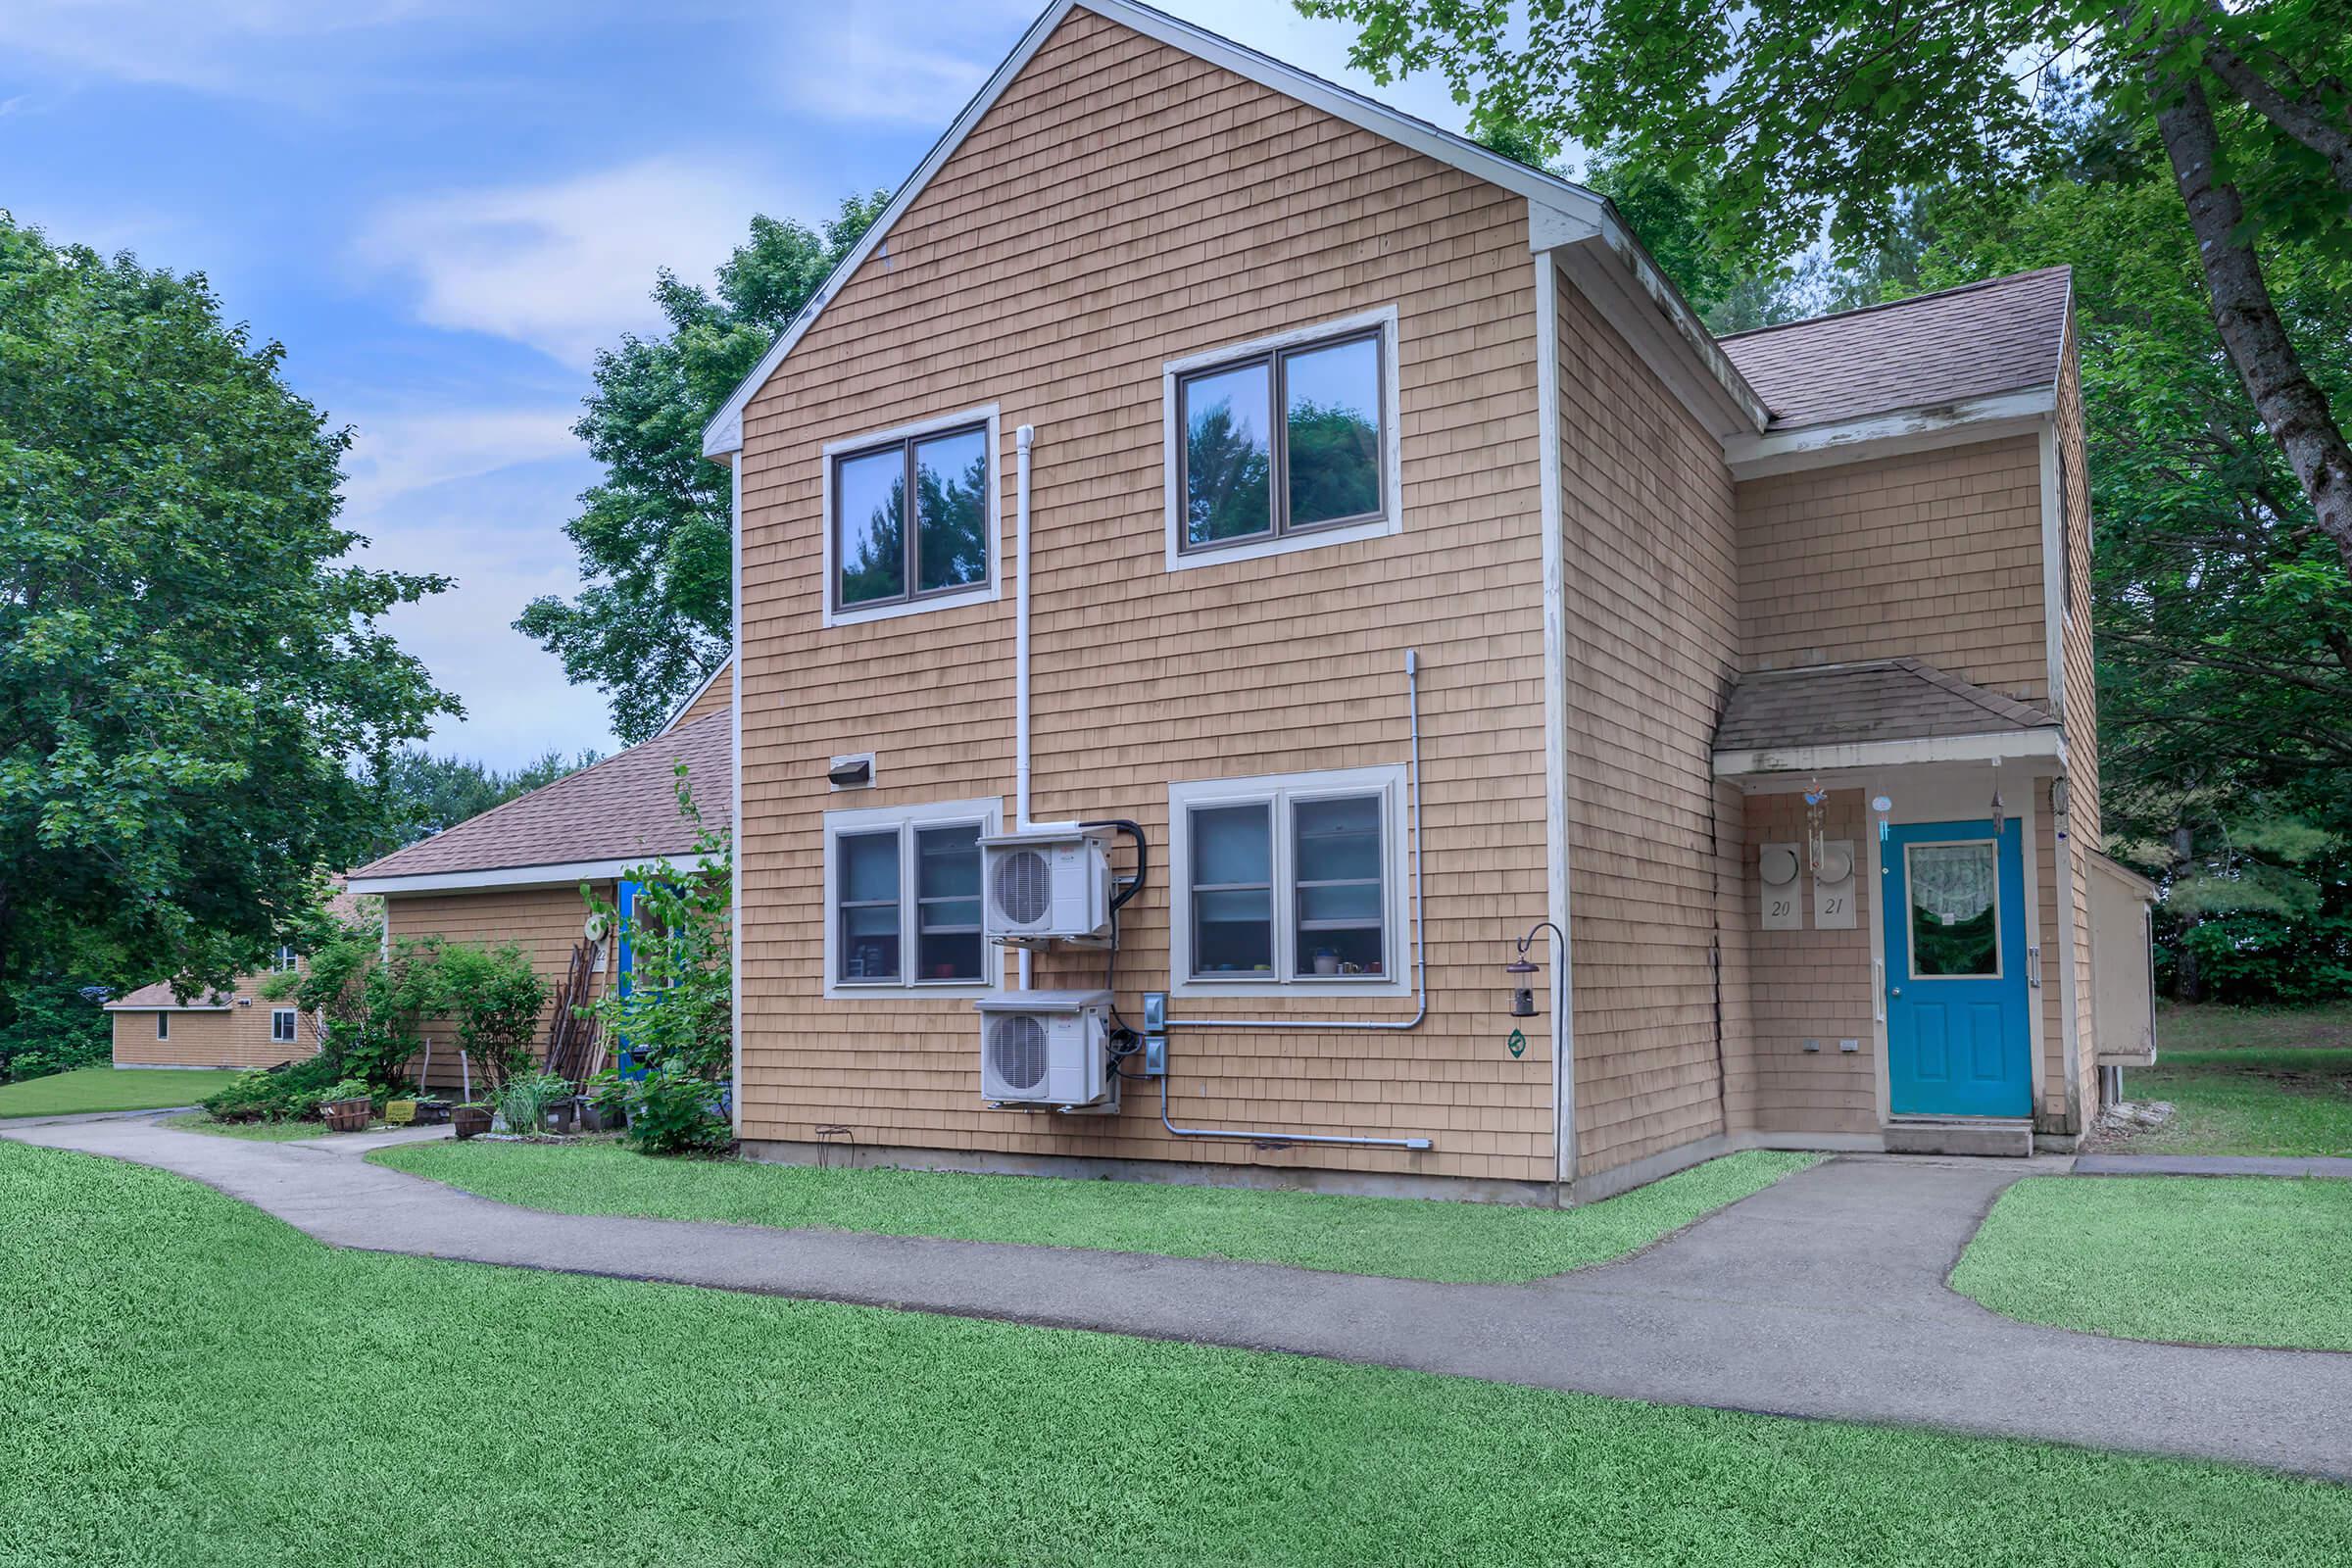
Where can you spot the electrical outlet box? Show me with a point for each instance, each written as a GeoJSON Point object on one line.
{"type": "Point", "coordinates": [1850, 1046]}
{"type": "Point", "coordinates": [1813, 1045]}
{"type": "Point", "coordinates": [1155, 1034]}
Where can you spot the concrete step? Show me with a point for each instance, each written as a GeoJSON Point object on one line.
{"type": "Point", "coordinates": [1961, 1135]}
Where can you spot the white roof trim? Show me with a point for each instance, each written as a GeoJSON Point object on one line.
{"type": "Point", "coordinates": [1570, 204]}
{"type": "Point", "coordinates": [1891, 434]}
{"type": "Point", "coordinates": [2004, 746]}
{"type": "Point", "coordinates": [694, 696]}
{"type": "Point", "coordinates": [168, 1006]}
{"type": "Point", "coordinates": [555, 875]}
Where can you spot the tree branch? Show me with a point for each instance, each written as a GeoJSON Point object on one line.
{"type": "Point", "coordinates": [2299, 117]}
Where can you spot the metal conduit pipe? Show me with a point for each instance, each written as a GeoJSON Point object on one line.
{"type": "Point", "coordinates": [1412, 697]}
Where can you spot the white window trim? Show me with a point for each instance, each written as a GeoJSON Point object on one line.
{"type": "Point", "coordinates": [988, 811]}
{"type": "Point", "coordinates": [1392, 519]}
{"type": "Point", "coordinates": [983, 592]}
{"type": "Point", "coordinates": [1279, 790]}
{"type": "Point", "coordinates": [293, 1033]}
{"type": "Point", "coordinates": [286, 961]}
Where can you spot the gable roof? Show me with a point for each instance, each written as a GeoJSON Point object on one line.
{"type": "Point", "coordinates": [1880, 700]}
{"type": "Point", "coordinates": [608, 815]}
{"type": "Point", "coordinates": [1561, 208]}
{"type": "Point", "coordinates": [2004, 334]}
{"type": "Point", "coordinates": [158, 997]}
{"type": "Point", "coordinates": [686, 705]}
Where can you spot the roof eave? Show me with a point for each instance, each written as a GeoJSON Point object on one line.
{"type": "Point", "coordinates": [1891, 433]}
{"type": "Point", "coordinates": [519, 878]}
{"type": "Point", "coordinates": [2041, 744]}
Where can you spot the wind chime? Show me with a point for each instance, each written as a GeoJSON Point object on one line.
{"type": "Point", "coordinates": [2000, 808]}
{"type": "Point", "coordinates": [1817, 800]}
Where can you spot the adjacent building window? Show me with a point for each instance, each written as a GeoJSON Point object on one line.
{"type": "Point", "coordinates": [1283, 443]}
{"type": "Point", "coordinates": [902, 897]}
{"type": "Point", "coordinates": [910, 517]}
{"type": "Point", "coordinates": [1295, 881]}
{"type": "Point", "coordinates": [283, 1025]}
{"type": "Point", "coordinates": [286, 961]}
{"type": "Point", "coordinates": [163, 1026]}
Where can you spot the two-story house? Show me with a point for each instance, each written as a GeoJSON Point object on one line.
{"type": "Point", "coordinates": [1366, 518]}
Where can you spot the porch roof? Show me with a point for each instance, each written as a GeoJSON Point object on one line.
{"type": "Point", "coordinates": [1842, 715]}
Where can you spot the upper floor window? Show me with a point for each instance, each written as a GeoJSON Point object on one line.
{"type": "Point", "coordinates": [1284, 443]}
{"type": "Point", "coordinates": [910, 518]}
{"type": "Point", "coordinates": [902, 897]}
{"type": "Point", "coordinates": [286, 961]}
{"type": "Point", "coordinates": [1293, 881]}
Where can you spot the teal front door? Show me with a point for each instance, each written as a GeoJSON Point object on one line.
{"type": "Point", "coordinates": [1957, 1040]}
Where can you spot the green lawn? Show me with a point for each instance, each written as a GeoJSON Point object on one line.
{"type": "Point", "coordinates": [260, 1132]}
{"type": "Point", "coordinates": [1403, 1237]}
{"type": "Point", "coordinates": [2248, 1081]}
{"type": "Point", "coordinates": [65, 1094]}
{"type": "Point", "coordinates": [190, 1383]}
{"type": "Point", "coordinates": [2205, 1260]}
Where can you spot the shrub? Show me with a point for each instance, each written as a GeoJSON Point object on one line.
{"type": "Point", "coordinates": [373, 1004]}
{"type": "Point", "coordinates": [524, 1099]}
{"type": "Point", "coordinates": [671, 1111]}
{"type": "Point", "coordinates": [52, 1024]}
{"type": "Point", "coordinates": [291, 1093]}
{"type": "Point", "coordinates": [494, 997]}
{"type": "Point", "coordinates": [679, 1007]}
{"type": "Point", "coordinates": [346, 1089]}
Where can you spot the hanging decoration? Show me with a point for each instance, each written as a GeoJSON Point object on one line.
{"type": "Point", "coordinates": [2000, 808]}
{"type": "Point", "coordinates": [1882, 807]}
{"type": "Point", "coordinates": [1817, 798]}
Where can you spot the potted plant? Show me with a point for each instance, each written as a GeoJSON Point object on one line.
{"type": "Point", "coordinates": [346, 1106]}
{"type": "Point", "coordinates": [473, 1119]}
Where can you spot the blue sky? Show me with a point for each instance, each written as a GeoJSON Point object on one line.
{"type": "Point", "coordinates": [443, 207]}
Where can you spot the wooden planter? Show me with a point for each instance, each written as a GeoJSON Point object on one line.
{"type": "Point", "coordinates": [346, 1115]}
{"type": "Point", "coordinates": [431, 1112]}
{"type": "Point", "coordinates": [472, 1121]}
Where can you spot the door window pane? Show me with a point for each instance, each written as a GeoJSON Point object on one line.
{"type": "Point", "coordinates": [869, 497]}
{"type": "Point", "coordinates": [1233, 890]}
{"type": "Point", "coordinates": [947, 894]}
{"type": "Point", "coordinates": [951, 487]}
{"type": "Point", "coordinates": [1955, 910]}
{"type": "Point", "coordinates": [869, 888]}
{"type": "Point", "coordinates": [1228, 458]}
{"type": "Point", "coordinates": [1331, 430]}
{"type": "Point", "coordinates": [1337, 861]}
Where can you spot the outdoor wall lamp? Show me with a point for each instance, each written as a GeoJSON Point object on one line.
{"type": "Point", "coordinates": [1523, 999]}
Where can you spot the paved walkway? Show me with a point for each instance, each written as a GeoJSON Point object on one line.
{"type": "Point", "coordinates": [2212, 1165]}
{"type": "Point", "coordinates": [1822, 1296]}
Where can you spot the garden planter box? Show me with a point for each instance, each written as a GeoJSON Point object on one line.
{"type": "Point", "coordinates": [472, 1121]}
{"type": "Point", "coordinates": [432, 1112]}
{"type": "Point", "coordinates": [346, 1115]}
{"type": "Point", "coordinates": [563, 1116]}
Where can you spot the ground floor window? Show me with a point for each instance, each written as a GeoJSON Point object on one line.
{"type": "Point", "coordinates": [163, 1026]}
{"type": "Point", "coordinates": [902, 897]}
{"type": "Point", "coordinates": [1293, 881]}
{"type": "Point", "coordinates": [282, 1026]}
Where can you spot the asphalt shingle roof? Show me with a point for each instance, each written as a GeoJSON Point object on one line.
{"type": "Point", "coordinates": [621, 807]}
{"type": "Point", "coordinates": [2002, 335]}
{"type": "Point", "coordinates": [1883, 700]}
{"type": "Point", "coordinates": [158, 997]}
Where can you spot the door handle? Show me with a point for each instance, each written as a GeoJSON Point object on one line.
{"type": "Point", "coordinates": [1895, 991]}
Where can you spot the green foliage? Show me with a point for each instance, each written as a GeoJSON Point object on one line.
{"type": "Point", "coordinates": [677, 1010]}
{"type": "Point", "coordinates": [373, 1001]}
{"type": "Point", "coordinates": [525, 1097]}
{"type": "Point", "coordinates": [424, 793]}
{"type": "Point", "coordinates": [188, 664]}
{"type": "Point", "coordinates": [655, 537]}
{"type": "Point", "coordinates": [293, 1091]}
{"type": "Point", "coordinates": [58, 1024]}
{"type": "Point", "coordinates": [494, 997]}
{"type": "Point", "coordinates": [674, 1111]}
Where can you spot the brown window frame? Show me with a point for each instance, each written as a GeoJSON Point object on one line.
{"type": "Point", "coordinates": [910, 526]}
{"type": "Point", "coordinates": [1278, 413]}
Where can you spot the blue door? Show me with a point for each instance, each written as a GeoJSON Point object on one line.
{"type": "Point", "coordinates": [1957, 1041]}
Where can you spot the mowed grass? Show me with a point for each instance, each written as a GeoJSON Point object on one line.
{"type": "Point", "coordinates": [2247, 1081]}
{"type": "Point", "coordinates": [190, 1383]}
{"type": "Point", "coordinates": [67, 1094]}
{"type": "Point", "coordinates": [1402, 1237]}
{"type": "Point", "coordinates": [259, 1132]}
{"type": "Point", "coordinates": [2202, 1260]}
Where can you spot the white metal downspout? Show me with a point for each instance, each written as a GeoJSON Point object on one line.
{"type": "Point", "coordinates": [1023, 439]}
{"type": "Point", "coordinates": [735, 782]}
{"type": "Point", "coordinates": [1555, 709]}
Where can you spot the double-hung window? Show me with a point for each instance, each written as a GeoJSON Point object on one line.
{"type": "Point", "coordinates": [910, 518]}
{"type": "Point", "coordinates": [902, 897]}
{"type": "Point", "coordinates": [286, 961]}
{"type": "Point", "coordinates": [1284, 443]}
{"type": "Point", "coordinates": [1295, 881]}
{"type": "Point", "coordinates": [282, 1026]}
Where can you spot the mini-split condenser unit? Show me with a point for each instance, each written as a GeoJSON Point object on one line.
{"type": "Point", "coordinates": [1045, 1048]}
{"type": "Point", "coordinates": [1046, 887]}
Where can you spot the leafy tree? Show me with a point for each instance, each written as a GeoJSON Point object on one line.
{"type": "Point", "coordinates": [371, 997]}
{"type": "Point", "coordinates": [679, 1007]}
{"type": "Point", "coordinates": [1826, 113]}
{"type": "Point", "coordinates": [494, 997]}
{"type": "Point", "coordinates": [654, 536]}
{"type": "Point", "coordinates": [58, 1024]}
{"type": "Point", "coordinates": [424, 793]}
{"type": "Point", "coordinates": [187, 674]}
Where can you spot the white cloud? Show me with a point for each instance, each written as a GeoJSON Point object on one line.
{"type": "Point", "coordinates": [221, 46]}
{"type": "Point", "coordinates": [857, 63]}
{"type": "Point", "coordinates": [395, 455]}
{"type": "Point", "coordinates": [564, 266]}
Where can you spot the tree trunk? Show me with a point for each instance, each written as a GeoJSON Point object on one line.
{"type": "Point", "coordinates": [2290, 404]}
